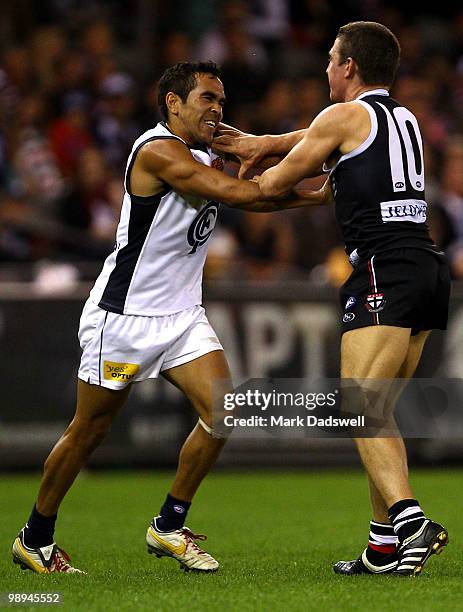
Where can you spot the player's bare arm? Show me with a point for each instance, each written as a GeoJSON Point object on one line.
{"type": "Point", "coordinates": [336, 131]}
{"type": "Point", "coordinates": [168, 161]}
{"type": "Point", "coordinates": [254, 151]}
{"type": "Point", "coordinates": [303, 198]}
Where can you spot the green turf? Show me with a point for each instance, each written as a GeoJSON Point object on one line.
{"type": "Point", "coordinates": [276, 535]}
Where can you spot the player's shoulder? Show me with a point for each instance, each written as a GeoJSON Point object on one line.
{"type": "Point", "coordinates": [157, 137]}
{"type": "Point", "coordinates": [163, 143]}
{"type": "Point", "coordinates": [341, 116]}
{"type": "Point", "coordinates": [158, 132]}
{"type": "Point", "coordinates": [340, 110]}
{"type": "Point", "coordinates": [161, 147]}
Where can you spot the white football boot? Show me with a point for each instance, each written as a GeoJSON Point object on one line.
{"type": "Point", "coordinates": [180, 544]}
{"type": "Point", "coordinates": [44, 560]}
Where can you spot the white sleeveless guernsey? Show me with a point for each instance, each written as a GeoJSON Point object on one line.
{"type": "Point", "coordinates": [157, 265]}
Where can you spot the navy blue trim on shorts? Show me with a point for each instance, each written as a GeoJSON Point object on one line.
{"type": "Point", "coordinates": [101, 348]}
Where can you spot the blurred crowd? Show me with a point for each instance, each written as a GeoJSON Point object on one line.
{"type": "Point", "coordinates": [78, 85]}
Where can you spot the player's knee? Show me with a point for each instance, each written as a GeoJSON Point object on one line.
{"type": "Point", "coordinates": [203, 409]}
{"type": "Point", "coordinates": [89, 433]}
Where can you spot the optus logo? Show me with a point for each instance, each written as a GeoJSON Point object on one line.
{"type": "Point", "coordinates": [120, 372]}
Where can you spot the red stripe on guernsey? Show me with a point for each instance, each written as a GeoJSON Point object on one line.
{"type": "Point", "coordinates": [386, 549]}
{"type": "Point", "coordinates": [371, 269]}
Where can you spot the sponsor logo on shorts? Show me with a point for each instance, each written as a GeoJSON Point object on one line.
{"type": "Point", "coordinates": [120, 372]}
{"type": "Point", "coordinates": [375, 302]}
{"type": "Point", "coordinates": [350, 302]}
{"type": "Point", "coordinates": [348, 317]}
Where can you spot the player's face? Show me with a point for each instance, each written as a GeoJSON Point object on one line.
{"type": "Point", "coordinates": [336, 74]}
{"type": "Point", "coordinates": [203, 109]}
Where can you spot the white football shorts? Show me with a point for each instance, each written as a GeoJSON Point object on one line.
{"type": "Point", "coordinates": [121, 349]}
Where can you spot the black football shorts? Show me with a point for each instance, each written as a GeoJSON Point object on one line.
{"type": "Point", "coordinates": [404, 287]}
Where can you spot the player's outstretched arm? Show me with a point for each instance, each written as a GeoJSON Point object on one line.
{"type": "Point", "coordinates": [297, 198]}
{"type": "Point", "coordinates": [328, 135]}
{"type": "Point", "coordinates": [171, 162]}
{"type": "Point", "coordinates": [254, 151]}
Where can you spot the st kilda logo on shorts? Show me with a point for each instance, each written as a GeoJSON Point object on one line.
{"type": "Point", "coordinates": [375, 302]}
{"type": "Point", "coordinates": [202, 226]}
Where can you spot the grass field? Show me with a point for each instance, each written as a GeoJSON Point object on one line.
{"type": "Point", "coordinates": [276, 535]}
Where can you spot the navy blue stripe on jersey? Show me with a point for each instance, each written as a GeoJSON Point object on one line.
{"type": "Point", "coordinates": [141, 218]}
{"type": "Point", "coordinates": [164, 124]}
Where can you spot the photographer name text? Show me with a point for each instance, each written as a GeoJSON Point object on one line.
{"type": "Point", "coordinates": [299, 421]}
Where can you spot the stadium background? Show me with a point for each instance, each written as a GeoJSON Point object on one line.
{"type": "Point", "coordinates": [77, 85]}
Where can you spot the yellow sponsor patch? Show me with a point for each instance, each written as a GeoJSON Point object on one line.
{"type": "Point", "coordinates": [121, 372]}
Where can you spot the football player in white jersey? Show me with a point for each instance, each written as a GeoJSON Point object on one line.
{"type": "Point", "coordinates": [144, 315]}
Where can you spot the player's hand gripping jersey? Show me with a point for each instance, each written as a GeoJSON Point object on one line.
{"type": "Point", "coordinates": [161, 246]}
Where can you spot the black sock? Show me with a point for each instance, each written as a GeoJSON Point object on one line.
{"type": "Point", "coordinates": [39, 529]}
{"type": "Point", "coordinates": [381, 543]}
{"type": "Point", "coordinates": [172, 514]}
{"type": "Point", "coordinates": [406, 517]}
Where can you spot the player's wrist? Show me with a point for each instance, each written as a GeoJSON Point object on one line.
{"type": "Point", "coordinates": [270, 144]}
{"type": "Point", "coordinates": [279, 144]}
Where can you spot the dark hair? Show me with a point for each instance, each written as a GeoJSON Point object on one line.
{"type": "Point", "coordinates": [181, 79]}
{"type": "Point", "coordinates": [375, 49]}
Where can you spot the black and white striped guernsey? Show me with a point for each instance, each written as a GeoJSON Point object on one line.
{"type": "Point", "coordinates": [379, 186]}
